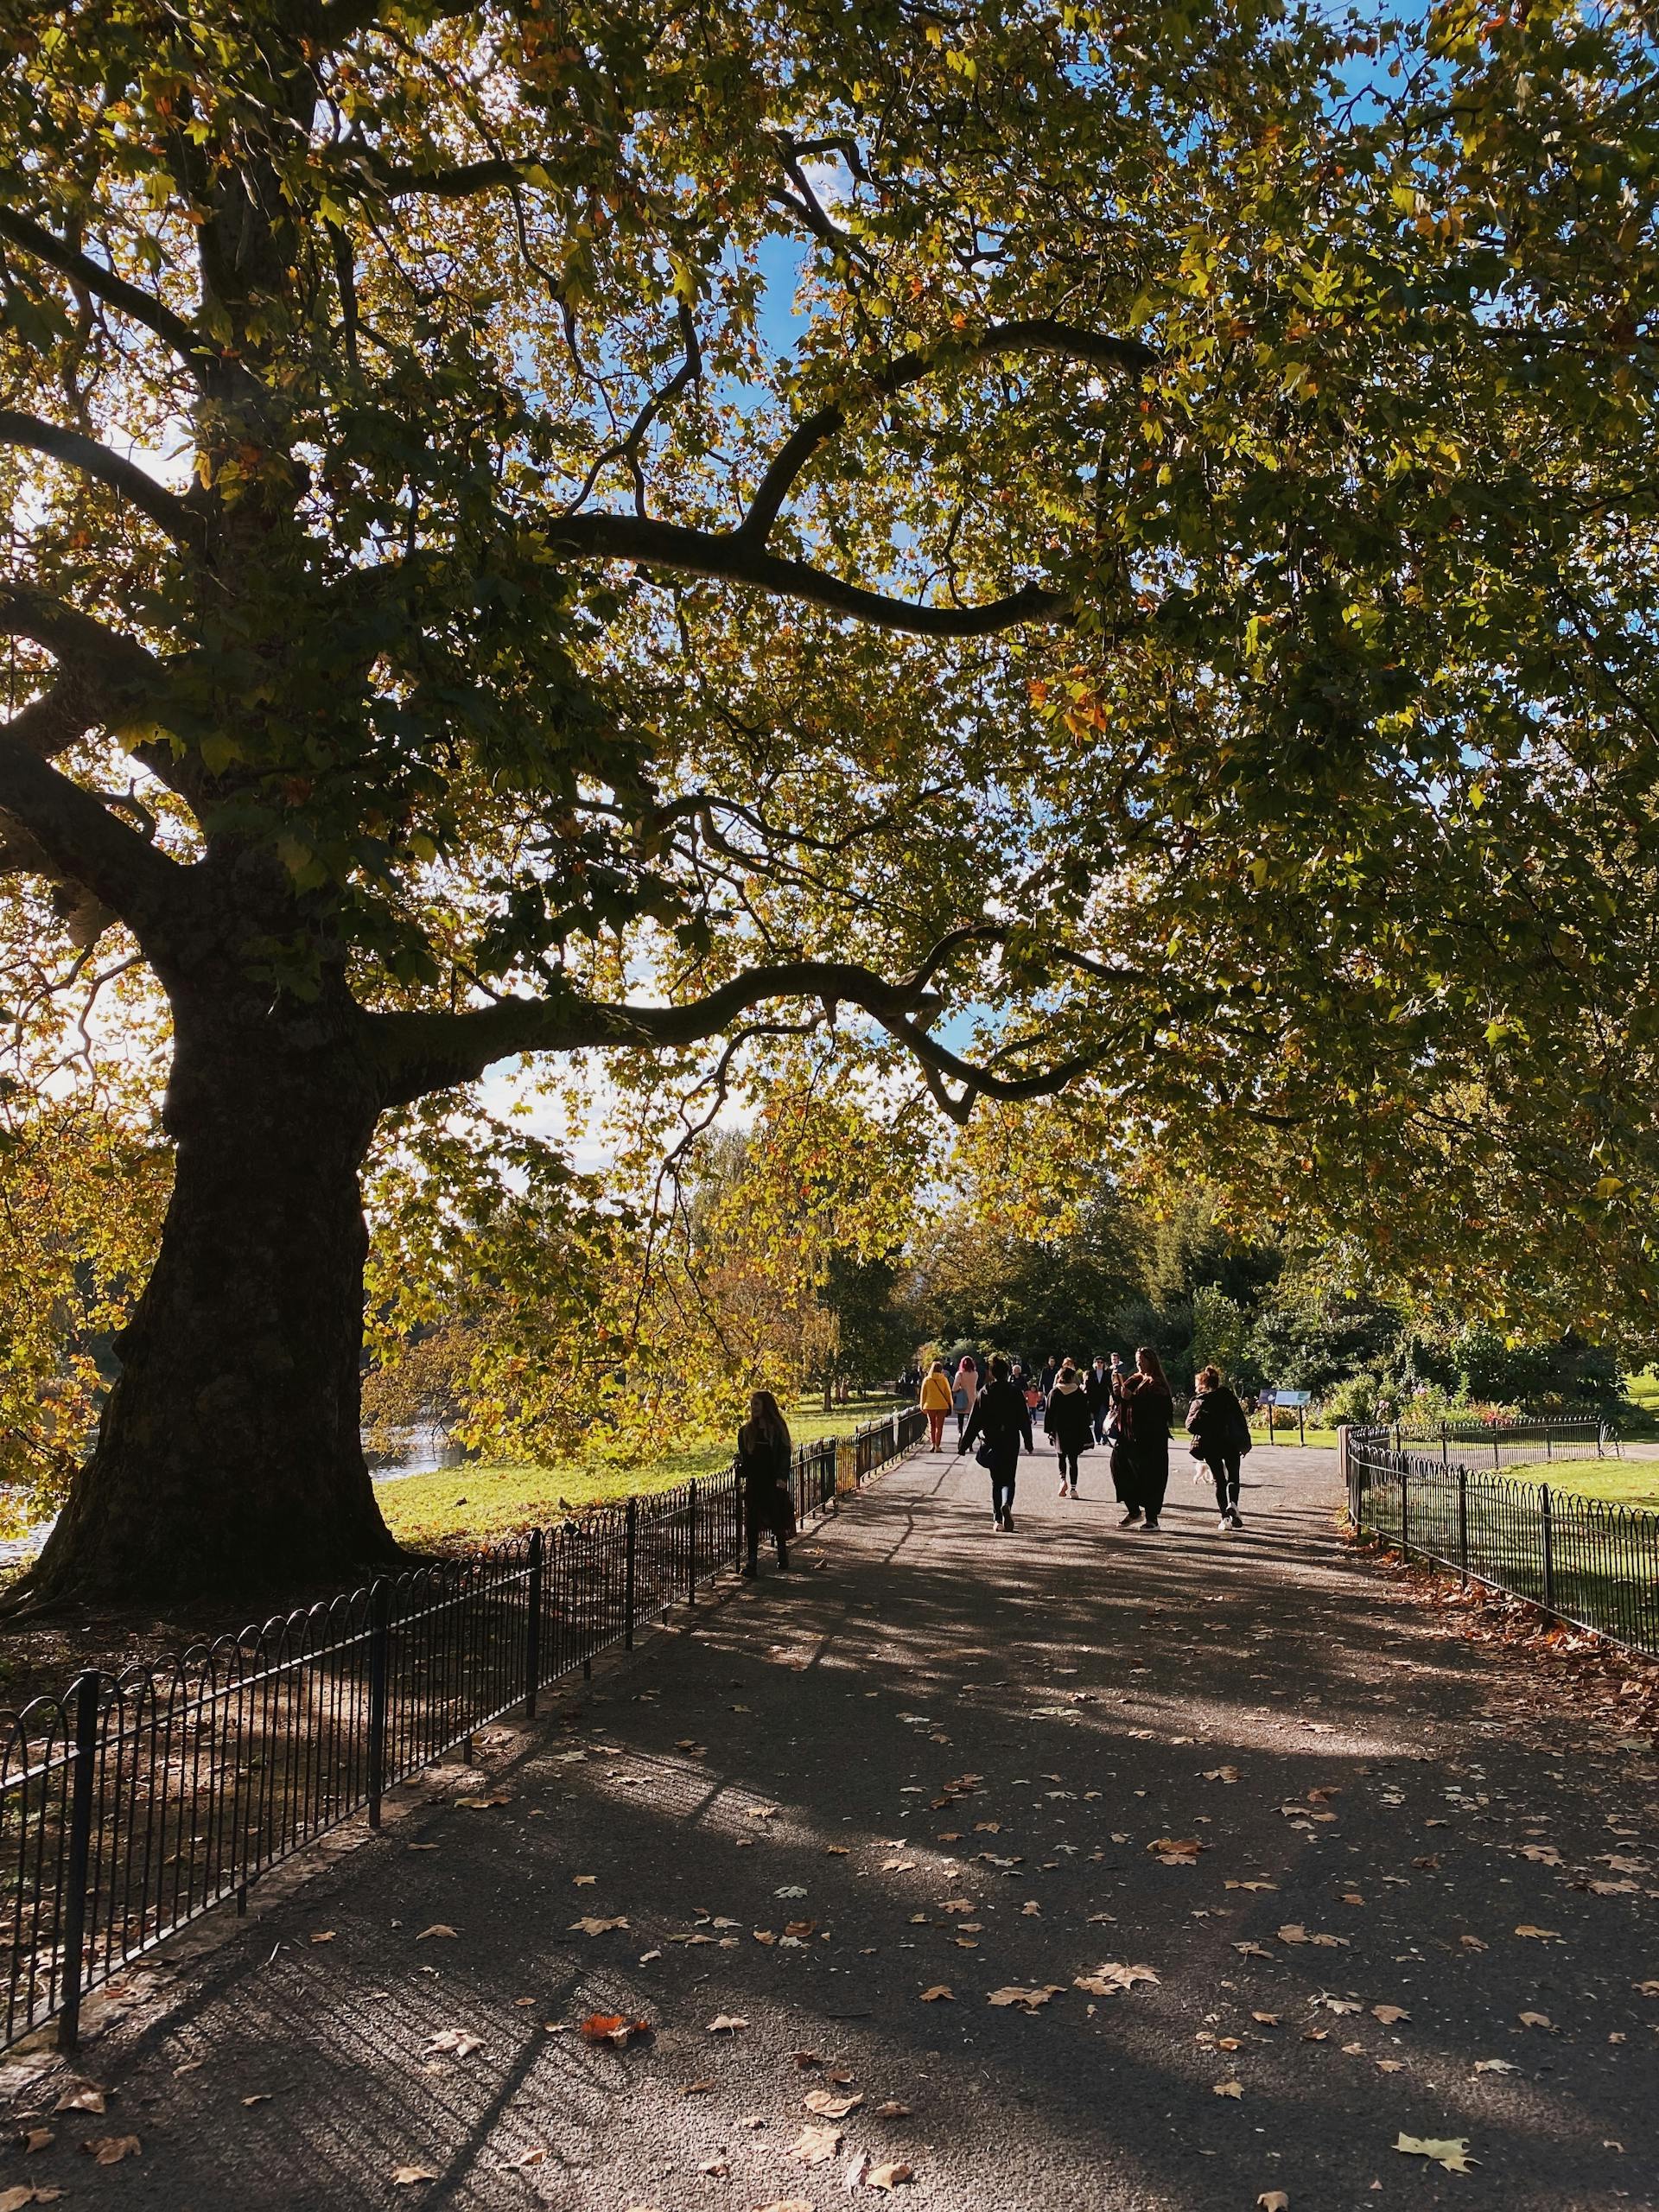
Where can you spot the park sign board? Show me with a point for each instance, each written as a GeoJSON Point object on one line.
{"type": "Point", "coordinates": [1284, 1397]}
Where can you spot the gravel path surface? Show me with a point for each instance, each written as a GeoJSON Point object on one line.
{"type": "Point", "coordinates": [940, 1760]}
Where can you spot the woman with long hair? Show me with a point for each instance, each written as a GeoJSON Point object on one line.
{"type": "Point", "coordinates": [1149, 1409]}
{"type": "Point", "coordinates": [964, 1388]}
{"type": "Point", "coordinates": [763, 1464]}
{"type": "Point", "coordinates": [1221, 1437]}
{"type": "Point", "coordinates": [1069, 1422]}
{"type": "Point", "coordinates": [936, 1401]}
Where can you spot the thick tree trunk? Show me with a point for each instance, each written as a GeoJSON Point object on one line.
{"type": "Point", "coordinates": [228, 1459]}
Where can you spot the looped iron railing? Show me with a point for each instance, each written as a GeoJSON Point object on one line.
{"type": "Point", "coordinates": [1590, 1563]}
{"type": "Point", "coordinates": [135, 1802]}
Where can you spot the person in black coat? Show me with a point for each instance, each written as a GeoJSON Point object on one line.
{"type": "Point", "coordinates": [1098, 1385]}
{"type": "Point", "coordinates": [764, 1463]}
{"type": "Point", "coordinates": [1146, 1413]}
{"type": "Point", "coordinates": [1069, 1422]}
{"type": "Point", "coordinates": [1221, 1437]}
{"type": "Point", "coordinates": [1002, 1419]}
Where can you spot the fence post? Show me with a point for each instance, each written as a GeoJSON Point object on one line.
{"type": "Point", "coordinates": [1549, 1547]}
{"type": "Point", "coordinates": [1445, 1453]}
{"type": "Point", "coordinates": [1497, 1455]}
{"type": "Point", "coordinates": [1405, 1494]}
{"type": "Point", "coordinates": [1463, 1520]}
{"type": "Point", "coordinates": [691, 1542]}
{"type": "Point", "coordinates": [1548, 1454]}
{"type": "Point", "coordinates": [533, 1641]}
{"type": "Point", "coordinates": [631, 1526]}
{"type": "Point", "coordinates": [379, 1636]}
{"type": "Point", "coordinates": [80, 1859]}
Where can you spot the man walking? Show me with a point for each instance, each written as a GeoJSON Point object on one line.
{"type": "Point", "coordinates": [1000, 1421]}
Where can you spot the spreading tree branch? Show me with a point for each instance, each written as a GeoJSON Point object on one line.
{"type": "Point", "coordinates": [91, 459]}
{"type": "Point", "coordinates": [732, 557]}
{"type": "Point", "coordinates": [82, 842]}
{"type": "Point", "coordinates": [114, 291]}
{"type": "Point", "coordinates": [1040, 335]}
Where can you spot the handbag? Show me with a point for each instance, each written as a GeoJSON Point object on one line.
{"type": "Point", "coordinates": [984, 1453]}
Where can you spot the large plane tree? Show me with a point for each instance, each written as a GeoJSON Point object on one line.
{"type": "Point", "coordinates": [542, 527]}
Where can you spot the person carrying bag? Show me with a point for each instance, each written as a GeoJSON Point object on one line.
{"type": "Point", "coordinates": [1221, 1438]}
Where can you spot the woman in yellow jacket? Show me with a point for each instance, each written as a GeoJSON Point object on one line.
{"type": "Point", "coordinates": [936, 1402]}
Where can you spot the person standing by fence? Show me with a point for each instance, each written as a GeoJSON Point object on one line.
{"type": "Point", "coordinates": [1071, 1424]}
{"type": "Point", "coordinates": [963, 1390]}
{"type": "Point", "coordinates": [936, 1401]}
{"type": "Point", "coordinates": [764, 1459]}
{"type": "Point", "coordinates": [1002, 1419]}
{"type": "Point", "coordinates": [1147, 1410]}
{"type": "Point", "coordinates": [1221, 1437]}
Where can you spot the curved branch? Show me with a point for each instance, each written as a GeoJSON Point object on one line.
{"type": "Point", "coordinates": [99, 654]}
{"type": "Point", "coordinates": [87, 455]}
{"type": "Point", "coordinates": [83, 842]}
{"type": "Point", "coordinates": [1035, 335]}
{"type": "Point", "coordinates": [114, 291]}
{"type": "Point", "coordinates": [735, 558]}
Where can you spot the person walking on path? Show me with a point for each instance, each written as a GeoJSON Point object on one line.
{"type": "Point", "coordinates": [1097, 1386]}
{"type": "Point", "coordinates": [1221, 1437]}
{"type": "Point", "coordinates": [763, 1465]}
{"type": "Point", "coordinates": [1070, 1422]}
{"type": "Point", "coordinates": [936, 1401]}
{"type": "Point", "coordinates": [963, 1390]}
{"type": "Point", "coordinates": [1147, 1414]}
{"type": "Point", "coordinates": [1001, 1421]}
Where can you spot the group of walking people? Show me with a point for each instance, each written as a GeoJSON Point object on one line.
{"type": "Point", "coordinates": [1132, 1410]}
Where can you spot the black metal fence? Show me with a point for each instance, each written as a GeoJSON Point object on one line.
{"type": "Point", "coordinates": [134, 1803]}
{"type": "Point", "coordinates": [1509, 1443]}
{"type": "Point", "coordinates": [1580, 1559]}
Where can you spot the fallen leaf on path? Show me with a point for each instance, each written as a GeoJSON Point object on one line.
{"type": "Point", "coordinates": [1542, 1854]}
{"type": "Point", "coordinates": [889, 2175]}
{"type": "Point", "coordinates": [584, 1881]}
{"type": "Point", "coordinates": [726, 2024]}
{"type": "Point", "coordinates": [109, 2150]}
{"type": "Point", "coordinates": [1106, 1980]}
{"type": "Point", "coordinates": [1273, 2200]}
{"type": "Point", "coordinates": [438, 1928]}
{"type": "Point", "coordinates": [697, 2088]}
{"type": "Point", "coordinates": [482, 1804]}
{"type": "Point", "coordinates": [1231, 1884]}
{"type": "Point", "coordinates": [1539, 1935]}
{"type": "Point", "coordinates": [1178, 1850]}
{"type": "Point", "coordinates": [1536, 2020]}
{"type": "Point", "coordinates": [891, 2110]}
{"type": "Point", "coordinates": [1646, 1988]}
{"type": "Point", "coordinates": [589, 1925]}
{"type": "Point", "coordinates": [1496, 2066]}
{"type": "Point", "coordinates": [261, 2097]}
{"type": "Point", "coordinates": [14, 2200]}
{"type": "Point", "coordinates": [455, 2041]}
{"type": "Point", "coordinates": [1221, 1774]}
{"type": "Point", "coordinates": [1253, 1950]}
{"type": "Point", "coordinates": [938, 1995]}
{"type": "Point", "coordinates": [1453, 2153]}
{"type": "Point", "coordinates": [39, 2139]}
{"type": "Point", "coordinates": [406, 2177]}
{"type": "Point", "coordinates": [815, 2146]}
{"type": "Point", "coordinates": [1265, 2019]}
{"type": "Point", "coordinates": [80, 2096]}
{"type": "Point", "coordinates": [1226, 2089]}
{"type": "Point", "coordinates": [1389, 2014]}
{"type": "Point", "coordinates": [1472, 1942]}
{"type": "Point", "coordinates": [828, 2105]}
{"type": "Point", "coordinates": [718, 2169]}
{"type": "Point", "coordinates": [323, 1936]}
{"type": "Point", "coordinates": [1030, 1999]}
{"type": "Point", "coordinates": [613, 2028]}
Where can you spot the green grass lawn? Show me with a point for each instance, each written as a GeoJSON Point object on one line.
{"type": "Point", "coordinates": [459, 1507]}
{"type": "Point", "coordinates": [1619, 1482]}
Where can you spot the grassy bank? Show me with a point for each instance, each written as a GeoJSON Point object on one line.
{"type": "Point", "coordinates": [1619, 1481]}
{"type": "Point", "coordinates": [481, 1504]}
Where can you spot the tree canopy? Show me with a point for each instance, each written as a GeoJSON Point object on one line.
{"type": "Point", "coordinates": [1079, 549]}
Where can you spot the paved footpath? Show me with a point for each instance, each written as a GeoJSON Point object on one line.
{"type": "Point", "coordinates": [843, 1809]}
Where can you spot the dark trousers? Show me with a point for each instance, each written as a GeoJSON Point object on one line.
{"type": "Point", "coordinates": [1002, 1471]}
{"type": "Point", "coordinates": [1102, 1414]}
{"type": "Point", "coordinates": [1151, 1474]}
{"type": "Point", "coordinates": [1224, 1470]}
{"type": "Point", "coordinates": [768, 1507]}
{"type": "Point", "coordinates": [1068, 1463]}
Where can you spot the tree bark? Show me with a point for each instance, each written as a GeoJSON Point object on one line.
{"type": "Point", "coordinates": [228, 1458]}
